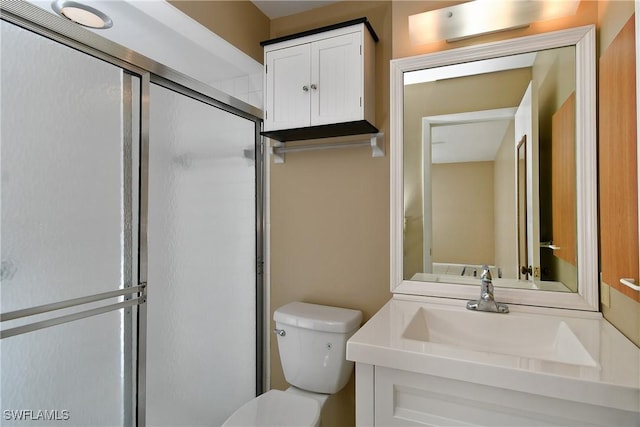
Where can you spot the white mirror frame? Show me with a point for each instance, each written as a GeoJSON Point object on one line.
{"type": "Point", "coordinates": [586, 162]}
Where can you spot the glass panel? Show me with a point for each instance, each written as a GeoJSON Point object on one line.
{"type": "Point", "coordinates": [67, 375]}
{"type": "Point", "coordinates": [70, 155]}
{"type": "Point", "coordinates": [201, 336]}
{"type": "Point", "coordinates": [62, 172]}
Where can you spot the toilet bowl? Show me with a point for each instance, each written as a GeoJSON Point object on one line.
{"type": "Point", "coordinates": [312, 345]}
{"type": "Point", "coordinates": [277, 408]}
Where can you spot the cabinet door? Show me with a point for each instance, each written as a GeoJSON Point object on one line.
{"type": "Point", "coordinates": [404, 398]}
{"type": "Point", "coordinates": [287, 90]}
{"type": "Point", "coordinates": [336, 73]}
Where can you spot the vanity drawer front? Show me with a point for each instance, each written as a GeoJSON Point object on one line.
{"type": "Point", "coordinates": [409, 399]}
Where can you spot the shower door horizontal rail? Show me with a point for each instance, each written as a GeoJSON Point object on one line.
{"type": "Point", "coordinates": [47, 308]}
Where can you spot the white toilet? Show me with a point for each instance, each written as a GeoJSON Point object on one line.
{"type": "Point", "coordinates": [312, 340]}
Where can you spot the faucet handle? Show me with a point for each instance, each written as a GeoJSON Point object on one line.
{"type": "Point", "coordinates": [486, 273]}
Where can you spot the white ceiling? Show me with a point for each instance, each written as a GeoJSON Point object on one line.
{"type": "Point", "coordinates": [277, 8]}
{"type": "Point", "coordinates": [449, 135]}
{"type": "Point", "coordinates": [161, 32]}
{"type": "Point", "coordinates": [453, 144]}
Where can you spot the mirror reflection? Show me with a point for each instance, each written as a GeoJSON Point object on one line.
{"type": "Point", "coordinates": [489, 171]}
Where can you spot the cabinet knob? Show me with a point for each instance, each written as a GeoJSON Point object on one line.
{"type": "Point", "coordinates": [305, 88]}
{"type": "Point", "coordinates": [314, 87]}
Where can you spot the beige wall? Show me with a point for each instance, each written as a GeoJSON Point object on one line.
{"type": "Point", "coordinates": [240, 23]}
{"type": "Point", "coordinates": [463, 221]}
{"type": "Point", "coordinates": [330, 210]}
{"type": "Point", "coordinates": [623, 312]}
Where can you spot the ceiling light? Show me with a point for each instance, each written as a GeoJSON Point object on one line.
{"type": "Point", "coordinates": [483, 17]}
{"type": "Point", "coordinates": [82, 14]}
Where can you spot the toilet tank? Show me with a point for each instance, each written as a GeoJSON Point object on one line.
{"type": "Point", "coordinates": [313, 345]}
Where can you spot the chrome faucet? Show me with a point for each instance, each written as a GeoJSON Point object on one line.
{"type": "Point", "coordinates": [486, 301]}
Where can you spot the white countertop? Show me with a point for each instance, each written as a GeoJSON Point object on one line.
{"type": "Point", "coordinates": [611, 378]}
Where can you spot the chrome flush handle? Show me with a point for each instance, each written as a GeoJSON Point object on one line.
{"type": "Point", "coordinates": [280, 332]}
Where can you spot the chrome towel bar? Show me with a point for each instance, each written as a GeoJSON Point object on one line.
{"type": "Point", "coordinates": [141, 298]}
{"type": "Point", "coordinates": [376, 142]}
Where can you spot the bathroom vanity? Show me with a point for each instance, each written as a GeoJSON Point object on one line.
{"type": "Point", "coordinates": [429, 361]}
{"type": "Point", "coordinates": [424, 358]}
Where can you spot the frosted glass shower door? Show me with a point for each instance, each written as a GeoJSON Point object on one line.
{"type": "Point", "coordinates": [68, 231]}
{"type": "Point", "coordinates": [201, 333]}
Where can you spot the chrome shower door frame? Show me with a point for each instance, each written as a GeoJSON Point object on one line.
{"type": "Point", "coordinates": [38, 21]}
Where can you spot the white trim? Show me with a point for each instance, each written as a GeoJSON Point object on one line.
{"type": "Point", "coordinates": [365, 397]}
{"type": "Point", "coordinates": [396, 213]}
{"type": "Point", "coordinates": [427, 196]}
{"type": "Point", "coordinates": [474, 116]}
{"type": "Point", "coordinates": [584, 40]}
{"type": "Point", "coordinates": [586, 167]}
{"type": "Point", "coordinates": [492, 50]}
{"type": "Point", "coordinates": [580, 314]}
{"type": "Point", "coordinates": [266, 272]}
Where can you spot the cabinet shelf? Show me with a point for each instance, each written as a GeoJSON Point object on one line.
{"type": "Point", "coordinates": [324, 131]}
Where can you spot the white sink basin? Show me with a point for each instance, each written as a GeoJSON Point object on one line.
{"type": "Point", "coordinates": [558, 354]}
{"type": "Point", "coordinates": [511, 334]}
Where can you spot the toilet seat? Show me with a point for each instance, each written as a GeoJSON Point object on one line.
{"type": "Point", "coordinates": [276, 408]}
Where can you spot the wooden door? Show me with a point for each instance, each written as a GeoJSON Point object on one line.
{"type": "Point", "coordinates": [618, 162]}
{"type": "Point", "coordinates": [563, 180]}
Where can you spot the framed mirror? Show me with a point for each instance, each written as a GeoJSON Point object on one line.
{"type": "Point", "coordinates": [493, 161]}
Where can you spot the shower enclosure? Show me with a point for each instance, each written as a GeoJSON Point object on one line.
{"type": "Point", "coordinates": [131, 237]}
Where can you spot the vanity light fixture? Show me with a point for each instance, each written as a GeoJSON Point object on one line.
{"type": "Point", "coordinates": [479, 17]}
{"type": "Point", "coordinates": [82, 14]}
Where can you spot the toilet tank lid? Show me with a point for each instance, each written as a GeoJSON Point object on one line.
{"type": "Point", "coordinates": [318, 317]}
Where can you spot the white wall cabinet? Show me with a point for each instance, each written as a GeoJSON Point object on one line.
{"type": "Point", "coordinates": [320, 83]}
